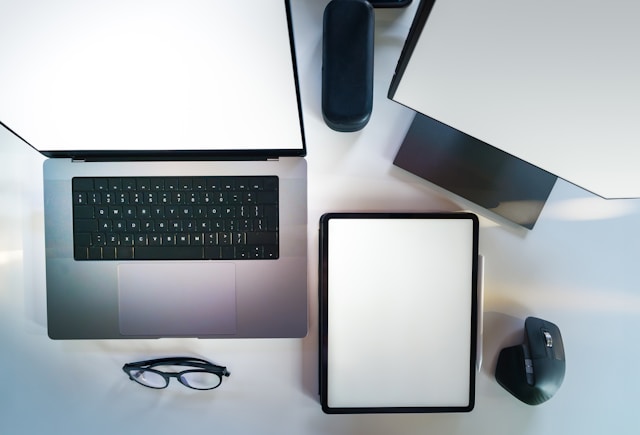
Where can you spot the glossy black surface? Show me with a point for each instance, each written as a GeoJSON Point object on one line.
{"type": "Point", "coordinates": [475, 170]}
{"type": "Point", "coordinates": [389, 3]}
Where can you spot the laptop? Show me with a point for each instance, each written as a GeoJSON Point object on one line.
{"type": "Point", "coordinates": [170, 124]}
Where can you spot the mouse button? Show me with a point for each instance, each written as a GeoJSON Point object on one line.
{"type": "Point", "coordinates": [511, 374]}
{"type": "Point", "coordinates": [541, 336]}
{"type": "Point", "coordinates": [549, 375]}
{"type": "Point", "coordinates": [553, 341]}
{"type": "Point", "coordinates": [537, 343]}
{"type": "Point", "coordinates": [558, 346]}
{"type": "Point", "coordinates": [548, 338]}
{"type": "Point", "coordinates": [510, 368]}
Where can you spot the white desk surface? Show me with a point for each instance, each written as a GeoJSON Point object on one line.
{"type": "Point", "coordinates": [577, 268]}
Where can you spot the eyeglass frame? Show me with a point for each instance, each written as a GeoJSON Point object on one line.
{"type": "Point", "coordinates": [200, 365]}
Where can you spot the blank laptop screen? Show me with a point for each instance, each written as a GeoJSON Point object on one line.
{"type": "Point", "coordinates": [139, 75]}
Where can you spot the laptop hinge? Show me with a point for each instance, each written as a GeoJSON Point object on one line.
{"type": "Point", "coordinates": [166, 157]}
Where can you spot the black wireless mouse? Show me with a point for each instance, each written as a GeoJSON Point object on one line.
{"type": "Point", "coordinates": [534, 370]}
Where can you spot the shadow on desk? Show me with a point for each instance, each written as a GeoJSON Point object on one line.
{"type": "Point", "coordinates": [500, 331]}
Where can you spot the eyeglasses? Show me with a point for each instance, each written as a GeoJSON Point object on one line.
{"type": "Point", "coordinates": [202, 376]}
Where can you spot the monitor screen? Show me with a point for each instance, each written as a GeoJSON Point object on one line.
{"type": "Point", "coordinates": [552, 83]}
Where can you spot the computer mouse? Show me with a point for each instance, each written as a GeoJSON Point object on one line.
{"type": "Point", "coordinates": [534, 370]}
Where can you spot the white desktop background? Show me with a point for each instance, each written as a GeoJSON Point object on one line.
{"type": "Point", "coordinates": [577, 268]}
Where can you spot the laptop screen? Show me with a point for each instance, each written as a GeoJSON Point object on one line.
{"type": "Point", "coordinates": [123, 75]}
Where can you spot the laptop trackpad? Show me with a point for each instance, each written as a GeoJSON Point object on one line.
{"type": "Point", "coordinates": [177, 299]}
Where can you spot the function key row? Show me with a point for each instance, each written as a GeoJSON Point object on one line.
{"type": "Point", "coordinates": [114, 184]}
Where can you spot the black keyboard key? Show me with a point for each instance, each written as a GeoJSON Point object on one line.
{"type": "Point", "coordinates": [270, 211]}
{"type": "Point", "coordinates": [129, 184]}
{"type": "Point", "coordinates": [157, 184]}
{"type": "Point", "coordinates": [144, 184]}
{"type": "Point", "coordinates": [171, 183]}
{"type": "Point", "coordinates": [270, 183]}
{"type": "Point", "coordinates": [83, 184]}
{"type": "Point", "coordinates": [255, 183]}
{"type": "Point", "coordinates": [212, 253]}
{"type": "Point", "coordinates": [101, 184]}
{"type": "Point", "coordinates": [81, 253]}
{"type": "Point", "coordinates": [267, 197]}
{"type": "Point", "coordinates": [199, 183]}
{"type": "Point", "coordinates": [85, 225]}
{"type": "Point", "coordinates": [256, 252]}
{"type": "Point", "coordinates": [83, 212]}
{"type": "Point", "coordinates": [115, 184]}
{"type": "Point", "coordinates": [266, 238]}
{"type": "Point", "coordinates": [124, 253]}
{"type": "Point", "coordinates": [98, 239]}
{"type": "Point", "coordinates": [270, 252]}
{"type": "Point", "coordinates": [168, 253]}
{"type": "Point", "coordinates": [185, 183]}
{"type": "Point", "coordinates": [109, 253]}
{"type": "Point", "coordinates": [80, 198]}
{"type": "Point", "coordinates": [82, 239]}
{"type": "Point", "coordinates": [228, 252]}
{"type": "Point", "coordinates": [228, 184]}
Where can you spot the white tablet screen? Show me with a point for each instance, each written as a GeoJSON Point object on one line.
{"type": "Point", "coordinates": [399, 306]}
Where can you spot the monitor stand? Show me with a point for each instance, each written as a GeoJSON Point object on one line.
{"type": "Point", "coordinates": [475, 171]}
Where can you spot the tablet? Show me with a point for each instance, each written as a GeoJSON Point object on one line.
{"type": "Point", "coordinates": [398, 312]}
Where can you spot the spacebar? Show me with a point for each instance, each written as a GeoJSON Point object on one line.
{"type": "Point", "coordinates": [168, 253]}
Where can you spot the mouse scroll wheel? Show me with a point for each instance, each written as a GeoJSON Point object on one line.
{"type": "Point", "coordinates": [548, 338]}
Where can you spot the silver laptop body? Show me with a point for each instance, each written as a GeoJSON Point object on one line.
{"type": "Point", "coordinates": [173, 89]}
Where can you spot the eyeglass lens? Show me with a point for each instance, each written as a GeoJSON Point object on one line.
{"type": "Point", "coordinates": [149, 378]}
{"type": "Point", "coordinates": [200, 380]}
{"type": "Point", "coordinates": [197, 379]}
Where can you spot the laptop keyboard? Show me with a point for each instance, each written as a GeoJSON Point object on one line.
{"type": "Point", "coordinates": [175, 218]}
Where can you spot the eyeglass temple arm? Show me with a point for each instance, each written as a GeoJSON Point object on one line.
{"type": "Point", "coordinates": [179, 361]}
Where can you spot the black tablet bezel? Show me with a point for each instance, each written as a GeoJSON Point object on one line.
{"type": "Point", "coordinates": [323, 294]}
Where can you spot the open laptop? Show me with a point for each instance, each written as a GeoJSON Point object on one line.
{"type": "Point", "coordinates": [167, 124]}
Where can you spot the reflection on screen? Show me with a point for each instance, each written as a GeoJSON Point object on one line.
{"type": "Point", "coordinates": [474, 170]}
